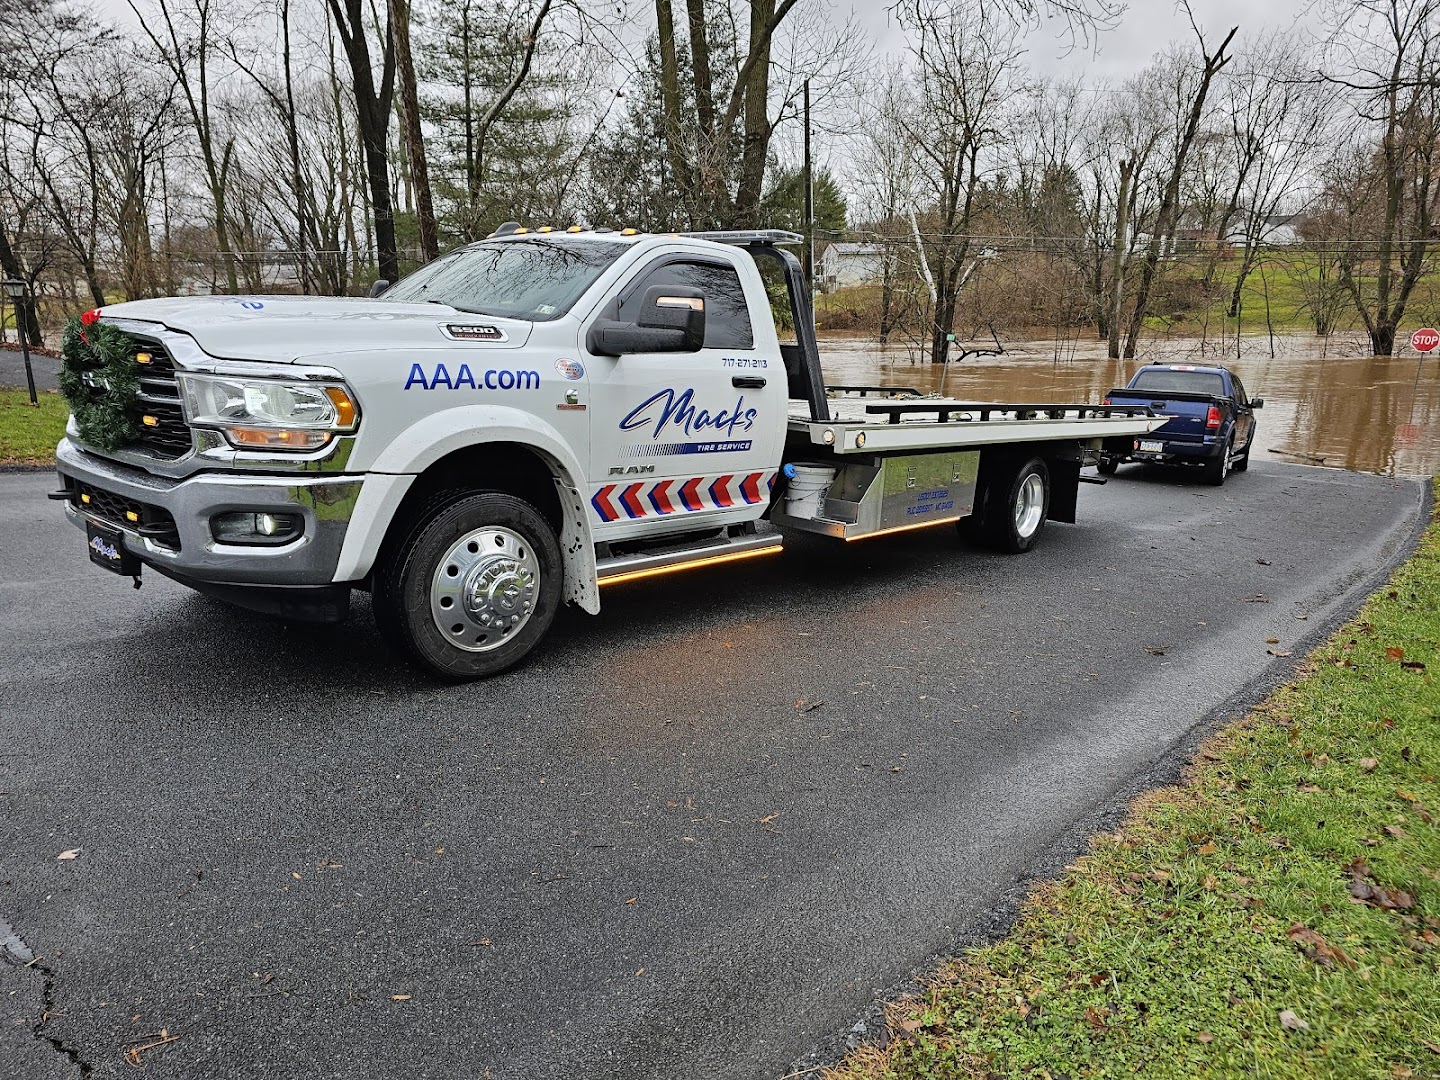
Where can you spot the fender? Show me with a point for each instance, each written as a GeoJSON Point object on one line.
{"type": "Point", "coordinates": [431, 438]}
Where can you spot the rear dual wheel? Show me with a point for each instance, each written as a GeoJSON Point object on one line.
{"type": "Point", "coordinates": [1016, 504]}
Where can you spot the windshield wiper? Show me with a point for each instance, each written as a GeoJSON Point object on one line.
{"type": "Point", "coordinates": [462, 307]}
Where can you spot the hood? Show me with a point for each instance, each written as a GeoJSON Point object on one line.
{"type": "Point", "coordinates": [286, 329]}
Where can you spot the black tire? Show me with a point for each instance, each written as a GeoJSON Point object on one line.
{"type": "Point", "coordinates": [1106, 466]}
{"type": "Point", "coordinates": [502, 543]}
{"type": "Point", "coordinates": [1007, 528]}
{"type": "Point", "coordinates": [1219, 467]}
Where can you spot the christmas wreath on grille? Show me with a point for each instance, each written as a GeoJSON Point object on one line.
{"type": "Point", "coordinates": [101, 382]}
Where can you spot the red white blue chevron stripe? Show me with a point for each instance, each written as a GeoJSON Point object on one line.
{"type": "Point", "coordinates": [661, 498]}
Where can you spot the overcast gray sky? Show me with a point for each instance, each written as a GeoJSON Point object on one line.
{"type": "Point", "coordinates": [1142, 30]}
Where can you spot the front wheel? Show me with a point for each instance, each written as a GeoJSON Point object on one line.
{"type": "Point", "coordinates": [1014, 519]}
{"type": "Point", "coordinates": [471, 592]}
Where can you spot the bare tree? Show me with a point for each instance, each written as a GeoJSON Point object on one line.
{"type": "Point", "coordinates": [1386, 54]}
{"type": "Point", "coordinates": [1211, 63]}
{"type": "Point", "coordinates": [187, 43]}
{"type": "Point", "coordinates": [965, 65]}
{"type": "Point", "coordinates": [372, 111]}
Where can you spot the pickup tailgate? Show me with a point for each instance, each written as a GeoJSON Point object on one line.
{"type": "Point", "coordinates": [1189, 411]}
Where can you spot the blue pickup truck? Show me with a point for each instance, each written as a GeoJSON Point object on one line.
{"type": "Point", "coordinates": [1213, 426]}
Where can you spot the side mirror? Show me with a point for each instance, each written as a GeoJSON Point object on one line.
{"type": "Point", "coordinates": [1258, 403]}
{"type": "Point", "coordinates": [378, 287]}
{"type": "Point", "coordinates": [671, 319]}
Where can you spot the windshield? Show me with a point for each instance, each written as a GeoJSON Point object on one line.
{"type": "Point", "coordinates": [1181, 382]}
{"type": "Point", "coordinates": [536, 280]}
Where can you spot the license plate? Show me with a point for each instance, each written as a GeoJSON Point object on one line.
{"type": "Point", "coordinates": [1153, 446]}
{"type": "Point", "coordinates": [107, 549]}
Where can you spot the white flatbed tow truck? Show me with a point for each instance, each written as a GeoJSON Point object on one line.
{"type": "Point", "coordinates": [516, 424]}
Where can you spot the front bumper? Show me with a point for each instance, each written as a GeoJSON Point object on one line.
{"type": "Point", "coordinates": [188, 551]}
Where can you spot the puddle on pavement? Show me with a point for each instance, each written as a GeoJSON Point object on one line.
{"type": "Point", "coordinates": [1324, 403]}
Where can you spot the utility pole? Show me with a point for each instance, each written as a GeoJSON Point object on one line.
{"type": "Point", "coordinates": [809, 204]}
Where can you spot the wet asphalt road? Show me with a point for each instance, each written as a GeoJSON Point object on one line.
{"type": "Point", "coordinates": [636, 856]}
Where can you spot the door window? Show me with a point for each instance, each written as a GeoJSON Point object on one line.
{"type": "Point", "coordinates": [727, 317]}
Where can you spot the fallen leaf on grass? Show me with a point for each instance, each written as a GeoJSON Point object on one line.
{"type": "Point", "coordinates": [1208, 848]}
{"type": "Point", "coordinates": [66, 856]}
{"type": "Point", "coordinates": [1317, 948]}
{"type": "Point", "coordinates": [1363, 891]}
{"type": "Point", "coordinates": [1204, 1037]}
{"type": "Point", "coordinates": [1412, 665]}
{"type": "Point", "coordinates": [1434, 1048]}
{"type": "Point", "coordinates": [1309, 789]}
{"type": "Point", "coordinates": [1290, 1022]}
{"type": "Point", "coordinates": [1368, 764]}
{"type": "Point", "coordinates": [1096, 1018]}
{"type": "Point", "coordinates": [1395, 654]}
{"type": "Point", "coordinates": [1396, 831]}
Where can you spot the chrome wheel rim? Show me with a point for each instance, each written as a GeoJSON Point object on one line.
{"type": "Point", "coordinates": [485, 588]}
{"type": "Point", "coordinates": [1029, 505]}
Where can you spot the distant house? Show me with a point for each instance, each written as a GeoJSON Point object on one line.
{"type": "Point", "coordinates": [1278, 229]}
{"type": "Point", "coordinates": [844, 264]}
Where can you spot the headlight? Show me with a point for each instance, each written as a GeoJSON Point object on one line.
{"type": "Point", "coordinates": [269, 414]}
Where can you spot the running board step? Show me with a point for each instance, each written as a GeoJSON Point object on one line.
{"type": "Point", "coordinates": [717, 550]}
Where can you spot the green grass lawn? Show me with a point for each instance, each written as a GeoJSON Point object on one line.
{"type": "Point", "coordinates": [28, 434]}
{"type": "Point", "coordinates": [1278, 915]}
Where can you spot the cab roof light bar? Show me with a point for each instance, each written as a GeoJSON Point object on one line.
{"type": "Point", "coordinates": [748, 236]}
{"type": "Point", "coordinates": [719, 236]}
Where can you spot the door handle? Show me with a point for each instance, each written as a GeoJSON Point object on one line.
{"type": "Point", "coordinates": [747, 382]}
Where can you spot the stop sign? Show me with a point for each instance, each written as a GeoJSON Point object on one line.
{"type": "Point", "coordinates": [1425, 339]}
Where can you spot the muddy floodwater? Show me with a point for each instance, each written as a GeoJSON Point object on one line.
{"type": "Point", "coordinates": [1324, 403]}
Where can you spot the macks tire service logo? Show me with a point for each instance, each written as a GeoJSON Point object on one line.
{"type": "Point", "coordinates": [465, 379]}
{"type": "Point", "coordinates": [675, 412]}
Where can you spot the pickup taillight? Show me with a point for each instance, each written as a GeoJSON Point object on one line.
{"type": "Point", "coordinates": [1212, 418]}
{"type": "Point", "coordinates": [1107, 401]}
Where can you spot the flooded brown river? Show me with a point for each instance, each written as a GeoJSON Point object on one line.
{"type": "Point", "coordinates": [1365, 413]}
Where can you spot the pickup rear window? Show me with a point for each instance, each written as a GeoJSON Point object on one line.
{"type": "Point", "coordinates": [1182, 382]}
{"type": "Point", "coordinates": [535, 280]}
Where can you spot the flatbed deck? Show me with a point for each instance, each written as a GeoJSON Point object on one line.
{"type": "Point", "coordinates": [865, 425]}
